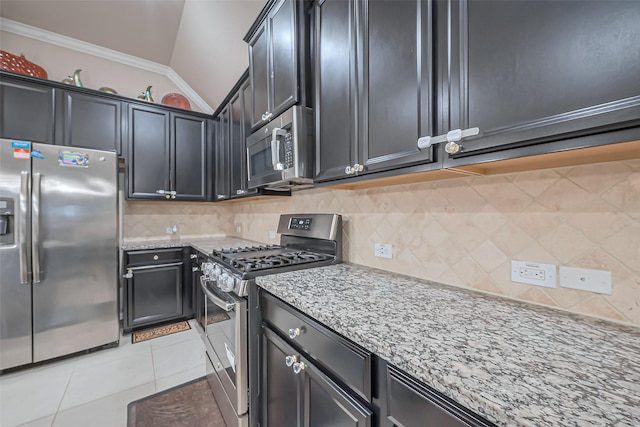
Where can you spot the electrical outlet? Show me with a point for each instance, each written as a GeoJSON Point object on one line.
{"type": "Point", "coordinates": [172, 230]}
{"type": "Point", "coordinates": [533, 274]}
{"type": "Point", "coordinates": [272, 234]}
{"type": "Point", "coordinates": [383, 250]}
{"type": "Point", "coordinates": [238, 228]}
{"type": "Point", "coordinates": [586, 280]}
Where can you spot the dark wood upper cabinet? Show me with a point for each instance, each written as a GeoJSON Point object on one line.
{"type": "Point", "coordinates": [167, 154]}
{"type": "Point", "coordinates": [148, 157]}
{"type": "Point", "coordinates": [27, 110]}
{"type": "Point", "coordinates": [374, 75]}
{"type": "Point", "coordinates": [546, 71]}
{"type": "Point", "coordinates": [189, 157]}
{"type": "Point", "coordinates": [90, 121]}
{"type": "Point", "coordinates": [335, 88]}
{"type": "Point", "coordinates": [273, 59]}
{"type": "Point", "coordinates": [223, 168]}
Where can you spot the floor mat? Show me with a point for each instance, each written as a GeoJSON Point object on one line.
{"type": "Point", "coordinates": [160, 331]}
{"type": "Point", "coordinates": [190, 405]}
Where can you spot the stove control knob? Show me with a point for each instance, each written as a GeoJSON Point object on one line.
{"type": "Point", "coordinates": [226, 282]}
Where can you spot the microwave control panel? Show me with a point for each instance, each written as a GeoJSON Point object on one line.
{"type": "Point", "coordinates": [288, 151]}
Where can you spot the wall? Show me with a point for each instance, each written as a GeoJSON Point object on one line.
{"type": "Point", "coordinates": [59, 63]}
{"type": "Point", "coordinates": [465, 231]}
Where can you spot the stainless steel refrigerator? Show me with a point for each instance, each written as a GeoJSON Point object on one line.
{"type": "Point", "coordinates": [58, 251]}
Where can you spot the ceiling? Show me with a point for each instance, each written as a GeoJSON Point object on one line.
{"type": "Point", "coordinates": [201, 40]}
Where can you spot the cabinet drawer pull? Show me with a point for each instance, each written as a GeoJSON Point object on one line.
{"type": "Point", "coordinates": [160, 191]}
{"type": "Point", "coordinates": [294, 332]}
{"type": "Point", "coordinates": [129, 274]}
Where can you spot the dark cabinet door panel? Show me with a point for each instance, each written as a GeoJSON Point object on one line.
{"type": "Point", "coordinates": [284, 57]}
{"type": "Point", "coordinates": [335, 96]}
{"type": "Point", "coordinates": [148, 157]}
{"type": "Point", "coordinates": [27, 111]}
{"type": "Point", "coordinates": [92, 122]}
{"type": "Point", "coordinates": [222, 184]}
{"type": "Point", "coordinates": [398, 96]}
{"type": "Point", "coordinates": [259, 71]}
{"type": "Point", "coordinates": [236, 146]}
{"type": "Point", "coordinates": [410, 403]}
{"type": "Point", "coordinates": [154, 294]}
{"type": "Point", "coordinates": [546, 70]}
{"type": "Point", "coordinates": [189, 157]}
{"type": "Point", "coordinates": [281, 390]}
{"type": "Point", "coordinates": [327, 404]}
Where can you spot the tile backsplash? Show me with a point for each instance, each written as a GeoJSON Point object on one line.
{"type": "Point", "coordinates": [464, 231]}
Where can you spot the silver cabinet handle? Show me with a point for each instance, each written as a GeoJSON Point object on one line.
{"type": "Point", "coordinates": [290, 360]}
{"type": "Point", "coordinates": [193, 256]}
{"type": "Point", "coordinates": [264, 116]}
{"type": "Point", "coordinates": [241, 192]}
{"type": "Point", "coordinates": [298, 367]}
{"type": "Point", "coordinates": [294, 332]}
{"type": "Point", "coordinates": [220, 196]}
{"type": "Point", "coordinates": [35, 227]}
{"type": "Point", "coordinates": [22, 227]}
{"type": "Point", "coordinates": [129, 274]}
{"type": "Point", "coordinates": [160, 191]}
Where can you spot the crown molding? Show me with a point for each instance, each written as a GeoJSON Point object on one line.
{"type": "Point", "coordinates": [50, 37]}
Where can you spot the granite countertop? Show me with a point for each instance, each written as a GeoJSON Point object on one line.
{"type": "Point", "coordinates": [516, 364]}
{"type": "Point", "coordinates": [203, 244]}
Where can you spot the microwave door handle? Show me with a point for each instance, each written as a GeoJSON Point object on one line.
{"type": "Point", "coordinates": [275, 148]}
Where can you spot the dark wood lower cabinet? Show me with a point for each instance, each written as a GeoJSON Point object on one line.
{"type": "Point", "coordinates": [157, 288]}
{"type": "Point", "coordinates": [306, 398]}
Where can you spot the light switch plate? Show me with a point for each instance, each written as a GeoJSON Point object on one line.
{"type": "Point", "coordinates": [533, 273]}
{"type": "Point", "coordinates": [584, 279]}
{"type": "Point", "coordinates": [272, 234]}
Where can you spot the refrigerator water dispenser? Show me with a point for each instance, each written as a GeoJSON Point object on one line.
{"type": "Point", "coordinates": [7, 221]}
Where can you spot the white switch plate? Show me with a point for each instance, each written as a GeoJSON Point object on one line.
{"type": "Point", "coordinates": [238, 229]}
{"type": "Point", "coordinates": [272, 234]}
{"type": "Point", "coordinates": [383, 250]}
{"type": "Point", "coordinates": [586, 280]}
{"type": "Point", "coordinates": [533, 273]}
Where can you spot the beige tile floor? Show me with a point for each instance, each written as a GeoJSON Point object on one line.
{"type": "Point", "coordinates": [94, 389]}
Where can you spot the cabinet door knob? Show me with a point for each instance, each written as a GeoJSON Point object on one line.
{"type": "Point", "coordinates": [167, 196]}
{"type": "Point", "coordinates": [298, 367]}
{"type": "Point", "coordinates": [294, 332]}
{"type": "Point", "coordinates": [193, 256]}
{"type": "Point", "coordinates": [358, 168]}
{"type": "Point", "coordinates": [129, 274]}
{"type": "Point", "coordinates": [290, 360]}
{"type": "Point", "coordinates": [349, 170]}
{"type": "Point", "coordinates": [456, 135]}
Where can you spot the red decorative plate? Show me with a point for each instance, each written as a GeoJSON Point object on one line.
{"type": "Point", "coordinates": [176, 100]}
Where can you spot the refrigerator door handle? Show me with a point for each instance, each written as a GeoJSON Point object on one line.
{"type": "Point", "coordinates": [35, 227]}
{"type": "Point", "coordinates": [22, 227]}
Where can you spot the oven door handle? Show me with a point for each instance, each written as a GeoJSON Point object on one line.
{"type": "Point", "coordinates": [225, 305]}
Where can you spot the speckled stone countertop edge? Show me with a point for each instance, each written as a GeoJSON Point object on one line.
{"type": "Point", "coordinates": [451, 377]}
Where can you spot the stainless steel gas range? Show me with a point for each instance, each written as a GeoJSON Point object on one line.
{"type": "Point", "coordinates": [306, 240]}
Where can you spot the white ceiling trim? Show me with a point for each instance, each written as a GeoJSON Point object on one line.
{"type": "Point", "coordinates": [32, 32]}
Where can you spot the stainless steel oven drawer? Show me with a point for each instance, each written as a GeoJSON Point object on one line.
{"type": "Point", "coordinates": [347, 361]}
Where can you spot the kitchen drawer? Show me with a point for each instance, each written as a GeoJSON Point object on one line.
{"type": "Point", "coordinates": [411, 403]}
{"type": "Point", "coordinates": [348, 362]}
{"type": "Point", "coordinates": [153, 256]}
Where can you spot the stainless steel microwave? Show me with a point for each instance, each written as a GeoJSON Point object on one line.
{"type": "Point", "coordinates": [280, 154]}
